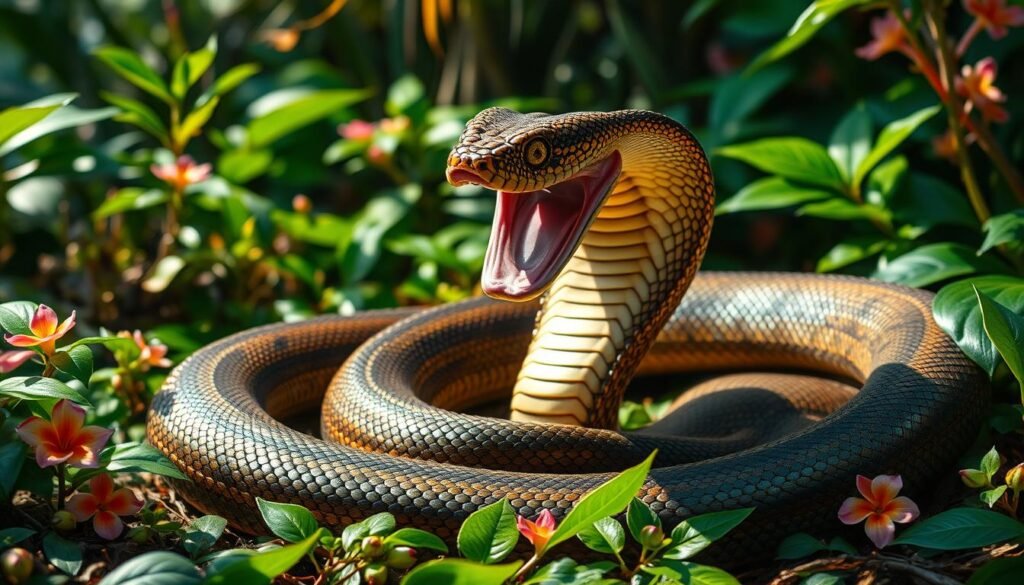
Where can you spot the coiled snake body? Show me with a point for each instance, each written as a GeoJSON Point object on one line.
{"type": "Point", "coordinates": [601, 222]}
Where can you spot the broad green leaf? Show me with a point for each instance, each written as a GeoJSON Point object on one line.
{"type": "Point", "coordinates": [242, 166]}
{"type": "Point", "coordinates": [16, 316]}
{"type": "Point", "coordinates": [771, 193]}
{"type": "Point", "coordinates": [1006, 331]}
{"type": "Point", "coordinates": [361, 248]}
{"type": "Point", "coordinates": [140, 457]}
{"type": "Point", "coordinates": [354, 533]}
{"type": "Point", "coordinates": [380, 524]}
{"type": "Point", "coordinates": [1006, 228]}
{"type": "Point", "coordinates": [990, 463]}
{"type": "Point", "coordinates": [990, 497]}
{"type": "Point", "coordinates": [738, 96]}
{"type": "Point", "coordinates": [957, 312]}
{"type": "Point", "coordinates": [190, 67]}
{"type": "Point", "coordinates": [934, 263]}
{"type": "Point", "coordinates": [851, 141]}
{"type": "Point", "coordinates": [607, 499]}
{"type": "Point", "coordinates": [36, 388]}
{"type": "Point", "coordinates": [889, 138]}
{"type": "Point", "coordinates": [130, 199]}
{"type": "Point", "coordinates": [63, 118]}
{"type": "Point", "coordinates": [75, 362]}
{"type": "Point", "coordinates": [301, 112]}
{"type": "Point", "coordinates": [161, 275]}
{"type": "Point", "coordinates": [137, 114]}
{"type": "Point", "coordinates": [416, 538]}
{"type": "Point", "coordinates": [798, 546]}
{"type": "Point", "coordinates": [1000, 571]}
{"type": "Point", "coordinates": [265, 566]}
{"type": "Point", "coordinates": [202, 533]}
{"type": "Point", "coordinates": [460, 572]}
{"type": "Point", "coordinates": [291, 522]}
{"type": "Point", "coordinates": [566, 571]}
{"type": "Point", "coordinates": [695, 534]}
{"type": "Point", "coordinates": [12, 458]}
{"type": "Point", "coordinates": [404, 94]}
{"type": "Point", "coordinates": [228, 81]}
{"type": "Point", "coordinates": [604, 536]}
{"type": "Point", "coordinates": [962, 528]}
{"type": "Point", "coordinates": [928, 202]}
{"type": "Point", "coordinates": [849, 252]}
{"type": "Point", "coordinates": [154, 568]}
{"type": "Point", "coordinates": [14, 535]}
{"type": "Point", "coordinates": [63, 553]}
{"type": "Point", "coordinates": [489, 534]}
{"type": "Point", "coordinates": [690, 573]}
{"type": "Point", "coordinates": [841, 209]}
{"type": "Point", "coordinates": [639, 515]}
{"type": "Point", "coordinates": [793, 158]}
{"type": "Point", "coordinates": [129, 66]}
{"type": "Point", "coordinates": [15, 119]}
{"type": "Point", "coordinates": [195, 121]}
{"type": "Point", "coordinates": [816, 16]}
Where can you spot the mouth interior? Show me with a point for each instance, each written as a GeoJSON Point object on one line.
{"type": "Point", "coordinates": [536, 232]}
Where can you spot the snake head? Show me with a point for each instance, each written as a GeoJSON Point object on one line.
{"type": "Point", "coordinates": [552, 174]}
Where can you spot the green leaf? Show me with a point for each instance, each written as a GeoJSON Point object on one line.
{"type": "Point", "coordinates": [816, 16]}
{"type": "Point", "coordinates": [154, 568]}
{"type": "Point", "coordinates": [844, 210]}
{"type": "Point", "coordinates": [360, 249]}
{"type": "Point", "coordinates": [202, 533]}
{"type": "Point", "coordinates": [962, 528]}
{"type": "Point", "coordinates": [889, 138]}
{"type": "Point", "coordinates": [63, 118]}
{"type": "Point", "coordinates": [62, 553]}
{"type": "Point", "coordinates": [36, 388]}
{"type": "Point", "coordinates": [849, 252]}
{"type": "Point", "coordinates": [793, 158]}
{"type": "Point", "coordinates": [460, 572]}
{"type": "Point", "coordinates": [1001, 571]}
{"type": "Point", "coordinates": [738, 96]}
{"type": "Point", "coordinates": [607, 499]}
{"type": "Point", "coordinates": [291, 522]}
{"type": "Point", "coordinates": [75, 362]}
{"type": "Point", "coordinates": [130, 199]}
{"type": "Point", "coordinates": [798, 546]}
{"type": "Point", "coordinates": [17, 118]}
{"type": "Point", "coordinates": [190, 67]}
{"type": "Point", "coordinates": [771, 193]}
{"type": "Point", "coordinates": [990, 463]}
{"type": "Point", "coordinates": [140, 457]}
{"type": "Point", "coordinates": [639, 515]}
{"type": "Point", "coordinates": [380, 524]}
{"type": "Point", "coordinates": [990, 497]}
{"type": "Point", "coordinates": [161, 275]}
{"type": "Point", "coordinates": [137, 114]}
{"type": "Point", "coordinates": [925, 201]}
{"type": "Point", "coordinates": [934, 263]}
{"type": "Point", "coordinates": [195, 121]}
{"type": "Point", "coordinates": [958, 313]}
{"type": "Point", "coordinates": [228, 81]}
{"type": "Point", "coordinates": [690, 573]}
{"type": "Point", "coordinates": [1006, 331]}
{"type": "Point", "coordinates": [416, 538]}
{"type": "Point", "coordinates": [695, 534]}
{"type": "Point", "coordinates": [14, 535]}
{"type": "Point", "coordinates": [604, 536]}
{"type": "Point", "coordinates": [241, 166]}
{"type": "Point", "coordinates": [262, 568]}
{"type": "Point", "coordinates": [16, 316]}
{"type": "Point", "coordinates": [129, 66]}
{"type": "Point", "coordinates": [566, 571]}
{"type": "Point", "coordinates": [851, 141]}
{"type": "Point", "coordinates": [12, 458]}
{"type": "Point", "coordinates": [1001, 229]}
{"type": "Point", "coordinates": [301, 112]}
{"type": "Point", "coordinates": [489, 534]}
{"type": "Point", "coordinates": [404, 94]}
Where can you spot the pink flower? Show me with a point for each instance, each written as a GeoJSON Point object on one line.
{"type": "Point", "coordinates": [45, 331]}
{"type": "Point", "coordinates": [11, 360]}
{"type": "Point", "coordinates": [977, 86]}
{"type": "Point", "coordinates": [63, 438]}
{"type": "Point", "coordinates": [888, 36]}
{"type": "Point", "coordinates": [151, 353]}
{"type": "Point", "coordinates": [182, 173]}
{"type": "Point", "coordinates": [880, 507]}
{"type": "Point", "coordinates": [995, 15]}
{"type": "Point", "coordinates": [104, 505]}
{"type": "Point", "coordinates": [539, 532]}
{"type": "Point", "coordinates": [356, 130]}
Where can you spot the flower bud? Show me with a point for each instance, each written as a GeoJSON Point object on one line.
{"type": "Point", "coordinates": [401, 558]}
{"type": "Point", "coordinates": [1015, 478]}
{"type": "Point", "coordinates": [373, 547]}
{"type": "Point", "coordinates": [16, 565]}
{"type": "Point", "coordinates": [375, 573]}
{"type": "Point", "coordinates": [302, 204]}
{"type": "Point", "coordinates": [139, 534]}
{"type": "Point", "coordinates": [63, 521]}
{"type": "Point", "coordinates": [974, 478]}
{"type": "Point", "coordinates": [651, 536]}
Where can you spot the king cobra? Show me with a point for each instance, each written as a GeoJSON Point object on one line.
{"type": "Point", "coordinates": [601, 222]}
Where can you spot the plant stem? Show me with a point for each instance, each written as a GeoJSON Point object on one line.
{"type": "Point", "coordinates": [525, 569]}
{"type": "Point", "coordinates": [61, 486]}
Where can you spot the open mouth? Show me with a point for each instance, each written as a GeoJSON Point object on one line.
{"type": "Point", "coordinates": [536, 232]}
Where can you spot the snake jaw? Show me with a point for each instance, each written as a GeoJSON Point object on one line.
{"type": "Point", "coordinates": [535, 233]}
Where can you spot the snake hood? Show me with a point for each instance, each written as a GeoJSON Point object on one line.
{"type": "Point", "coordinates": [550, 182]}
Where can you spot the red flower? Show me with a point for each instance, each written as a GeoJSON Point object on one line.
{"type": "Point", "coordinates": [977, 86]}
{"type": "Point", "coordinates": [45, 331]}
{"type": "Point", "coordinates": [888, 36]}
{"type": "Point", "coordinates": [880, 507]}
{"type": "Point", "coordinates": [11, 360]}
{"type": "Point", "coordinates": [182, 173]}
{"type": "Point", "coordinates": [995, 15]}
{"type": "Point", "coordinates": [151, 353]}
{"type": "Point", "coordinates": [539, 532]}
{"type": "Point", "coordinates": [104, 505]}
{"type": "Point", "coordinates": [63, 438]}
{"type": "Point", "coordinates": [356, 130]}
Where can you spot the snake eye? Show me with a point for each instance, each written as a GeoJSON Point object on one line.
{"type": "Point", "coordinates": [537, 152]}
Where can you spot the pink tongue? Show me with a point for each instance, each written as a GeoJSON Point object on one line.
{"type": "Point", "coordinates": [529, 238]}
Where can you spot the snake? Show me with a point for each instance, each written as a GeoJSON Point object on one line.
{"type": "Point", "coordinates": [591, 290]}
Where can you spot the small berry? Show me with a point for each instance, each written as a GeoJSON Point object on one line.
{"type": "Point", "coordinates": [63, 521]}
{"type": "Point", "coordinates": [375, 574]}
{"type": "Point", "coordinates": [17, 564]}
{"type": "Point", "coordinates": [373, 547]}
{"type": "Point", "coordinates": [401, 558]}
{"type": "Point", "coordinates": [651, 536]}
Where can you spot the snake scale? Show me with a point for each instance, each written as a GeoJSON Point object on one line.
{"type": "Point", "coordinates": [601, 222]}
